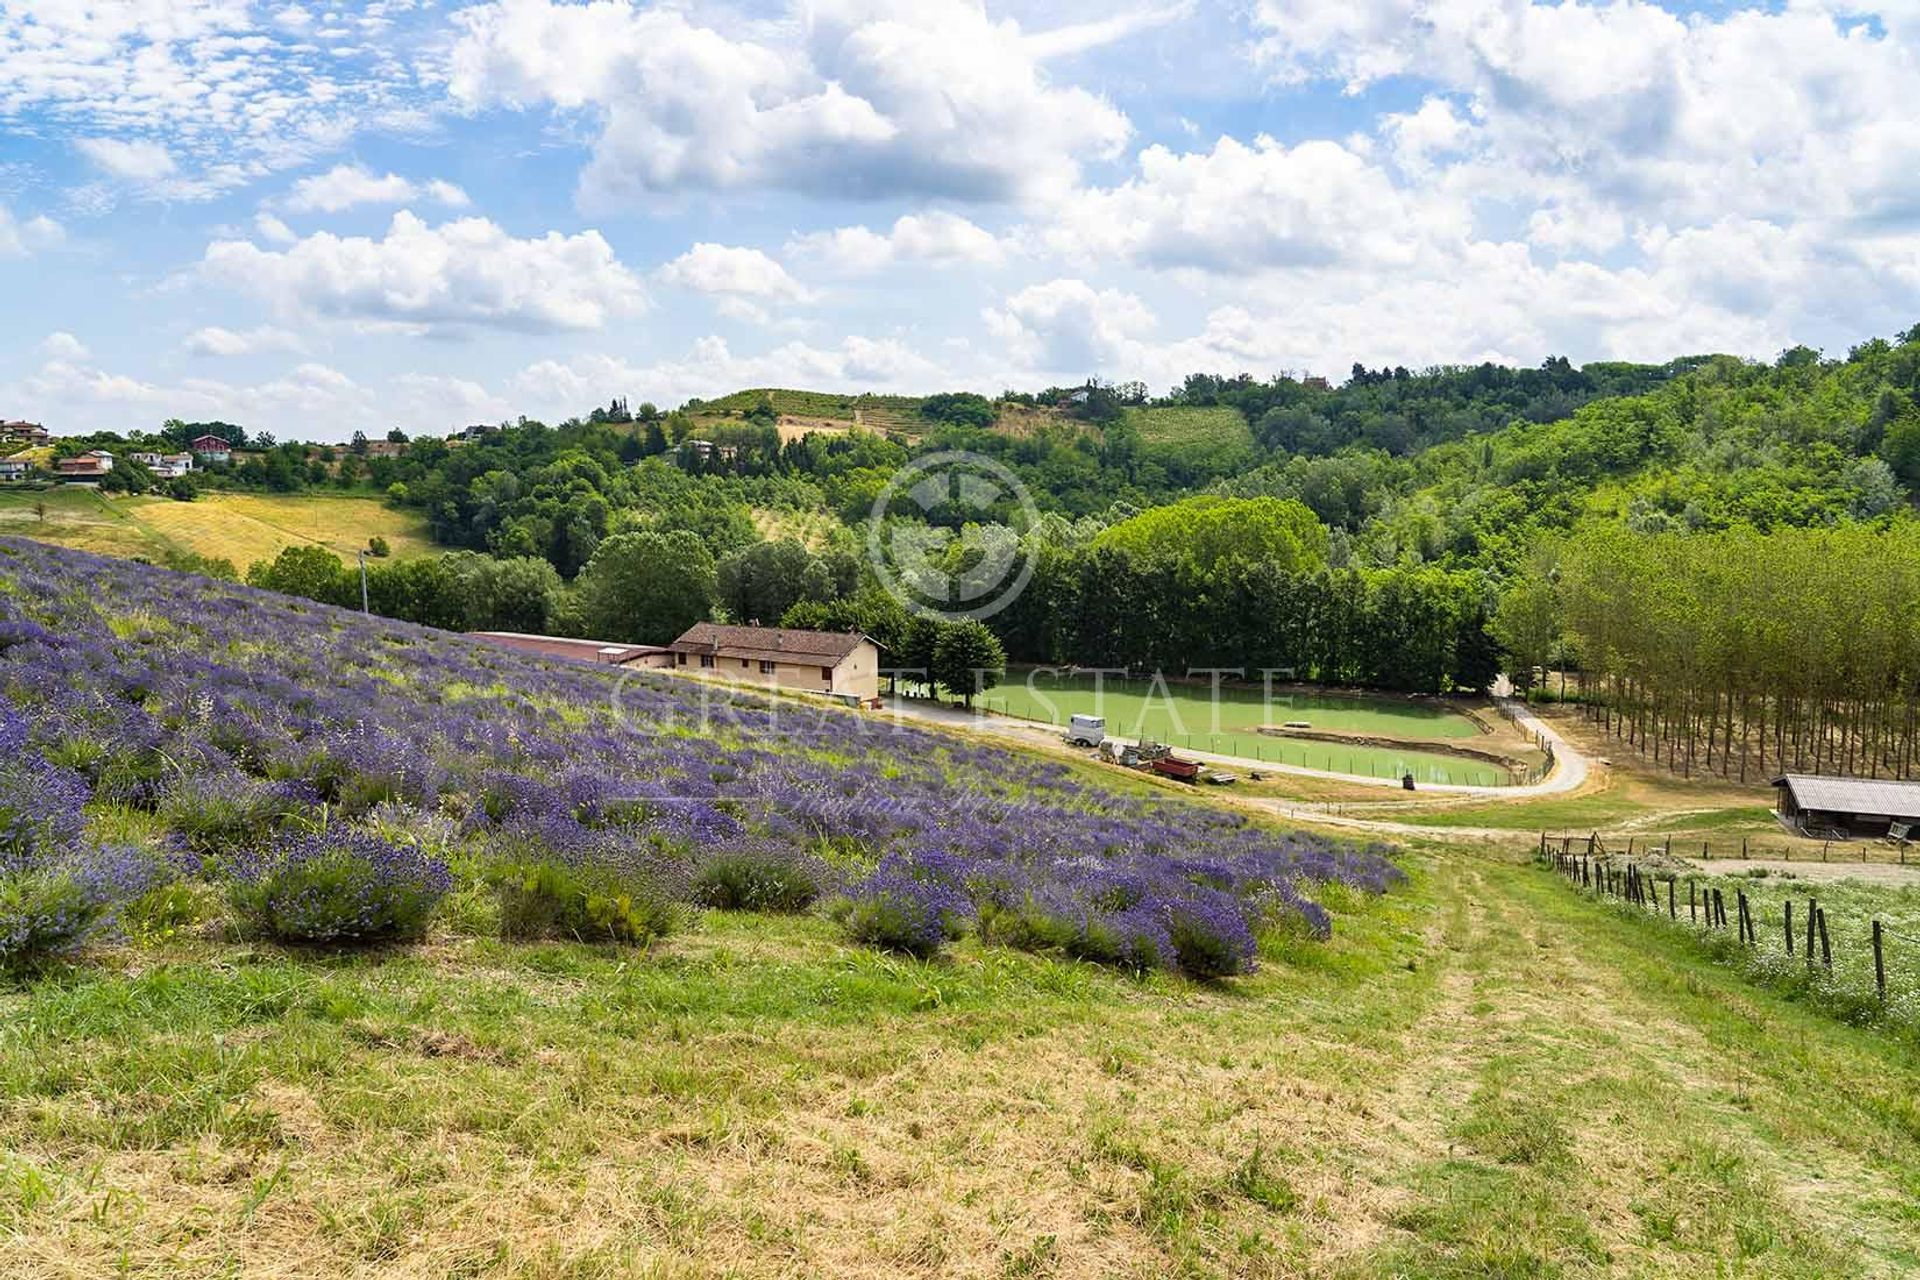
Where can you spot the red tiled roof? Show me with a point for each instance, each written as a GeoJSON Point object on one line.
{"type": "Point", "coordinates": [769, 644]}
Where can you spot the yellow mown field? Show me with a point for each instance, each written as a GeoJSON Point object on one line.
{"type": "Point", "coordinates": [242, 528]}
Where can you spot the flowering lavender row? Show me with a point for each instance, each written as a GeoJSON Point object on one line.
{"type": "Point", "coordinates": [242, 718]}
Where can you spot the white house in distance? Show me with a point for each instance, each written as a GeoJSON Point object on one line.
{"type": "Point", "coordinates": [166, 466]}
{"type": "Point", "coordinates": [212, 449]}
{"type": "Point", "coordinates": [843, 664]}
{"type": "Point", "coordinates": [14, 470]}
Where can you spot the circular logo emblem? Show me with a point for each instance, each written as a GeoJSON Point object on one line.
{"type": "Point", "coordinates": [934, 569]}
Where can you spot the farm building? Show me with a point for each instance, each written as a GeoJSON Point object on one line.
{"type": "Point", "coordinates": [1839, 807]}
{"type": "Point", "coordinates": [841, 663]}
{"type": "Point", "coordinates": [601, 652]}
{"type": "Point", "coordinates": [213, 449]}
{"type": "Point", "coordinates": [86, 468]}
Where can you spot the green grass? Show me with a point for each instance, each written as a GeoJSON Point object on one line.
{"type": "Point", "coordinates": [1182, 427]}
{"type": "Point", "coordinates": [878, 412]}
{"type": "Point", "coordinates": [1183, 716]}
{"type": "Point", "coordinates": [1478, 1075]}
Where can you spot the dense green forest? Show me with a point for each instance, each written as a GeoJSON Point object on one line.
{"type": "Point", "coordinates": [1407, 530]}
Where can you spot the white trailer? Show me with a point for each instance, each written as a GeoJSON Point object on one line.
{"type": "Point", "coordinates": [1086, 731]}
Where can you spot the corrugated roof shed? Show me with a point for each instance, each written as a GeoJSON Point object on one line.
{"type": "Point", "coordinates": [1812, 792]}
{"type": "Point", "coordinates": [601, 651]}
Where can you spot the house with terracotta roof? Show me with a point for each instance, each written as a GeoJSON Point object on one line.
{"type": "Point", "coordinates": [27, 433]}
{"type": "Point", "coordinates": [85, 468]}
{"type": "Point", "coordinates": [842, 664]}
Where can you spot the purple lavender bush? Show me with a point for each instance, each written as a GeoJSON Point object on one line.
{"type": "Point", "coordinates": [912, 903]}
{"type": "Point", "coordinates": [336, 887]}
{"type": "Point", "coordinates": [559, 878]}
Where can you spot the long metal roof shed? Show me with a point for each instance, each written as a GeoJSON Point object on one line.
{"type": "Point", "coordinates": [1866, 797]}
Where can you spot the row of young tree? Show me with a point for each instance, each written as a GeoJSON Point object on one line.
{"type": "Point", "coordinates": [1738, 653]}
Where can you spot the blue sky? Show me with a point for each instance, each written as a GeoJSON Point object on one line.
{"type": "Point", "coordinates": [317, 219]}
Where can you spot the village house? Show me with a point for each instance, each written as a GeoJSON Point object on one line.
{"type": "Point", "coordinates": [385, 448]}
{"type": "Point", "coordinates": [165, 466]}
{"type": "Point", "coordinates": [14, 470]}
{"type": "Point", "coordinates": [86, 468]}
{"type": "Point", "coordinates": [28, 433]}
{"type": "Point", "coordinates": [211, 449]}
{"type": "Point", "coordinates": [842, 664]}
{"type": "Point", "coordinates": [599, 652]}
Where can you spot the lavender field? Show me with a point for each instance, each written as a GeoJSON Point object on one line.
{"type": "Point", "coordinates": [331, 779]}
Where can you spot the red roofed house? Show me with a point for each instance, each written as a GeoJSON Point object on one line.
{"type": "Point", "coordinates": [85, 467]}
{"type": "Point", "coordinates": [212, 449]}
{"type": "Point", "coordinates": [842, 663]}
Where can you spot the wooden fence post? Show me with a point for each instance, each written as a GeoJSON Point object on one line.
{"type": "Point", "coordinates": [1879, 964]}
{"type": "Point", "coordinates": [1693, 905]}
{"type": "Point", "coordinates": [1813, 918]}
{"type": "Point", "coordinates": [1671, 915]}
{"type": "Point", "coordinates": [1826, 949]}
{"type": "Point", "coordinates": [1789, 926]}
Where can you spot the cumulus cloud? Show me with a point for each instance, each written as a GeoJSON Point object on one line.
{"type": "Point", "coordinates": [421, 278]}
{"type": "Point", "coordinates": [875, 99]}
{"type": "Point", "coordinates": [1071, 327]}
{"type": "Point", "coordinates": [1239, 207]}
{"type": "Point", "coordinates": [938, 238]}
{"type": "Point", "coordinates": [61, 345]}
{"type": "Point", "coordinates": [216, 341]}
{"type": "Point", "coordinates": [712, 368]}
{"type": "Point", "coordinates": [19, 239]}
{"type": "Point", "coordinates": [347, 185]}
{"type": "Point", "coordinates": [724, 269]}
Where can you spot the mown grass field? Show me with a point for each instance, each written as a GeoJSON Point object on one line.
{"type": "Point", "coordinates": [1479, 1075]}
{"type": "Point", "coordinates": [1214, 428]}
{"type": "Point", "coordinates": [1184, 716]}
{"type": "Point", "coordinates": [239, 527]}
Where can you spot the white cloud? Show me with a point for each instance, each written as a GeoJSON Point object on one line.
{"type": "Point", "coordinates": [724, 269]}
{"type": "Point", "coordinates": [61, 345]}
{"type": "Point", "coordinates": [347, 185]}
{"type": "Point", "coordinates": [874, 99]}
{"type": "Point", "coordinates": [939, 238]}
{"type": "Point", "coordinates": [216, 341]}
{"type": "Point", "coordinates": [19, 239]}
{"type": "Point", "coordinates": [468, 272]}
{"type": "Point", "coordinates": [1239, 208]}
{"type": "Point", "coordinates": [272, 230]}
{"type": "Point", "coordinates": [140, 160]}
{"type": "Point", "coordinates": [1068, 326]}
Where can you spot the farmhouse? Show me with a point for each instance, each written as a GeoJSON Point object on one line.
{"type": "Point", "coordinates": [842, 663]}
{"type": "Point", "coordinates": [600, 652]}
{"type": "Point", "coordinates": [212, 449]}
{"type": "Point", "coordinates": [87, 467]}
{"type": "Point", "coordinates": [14, 470]}
{"type": "Point", "coordinates": [28, 433]}
{"type": "Point", "coordinates": [1812, 804]}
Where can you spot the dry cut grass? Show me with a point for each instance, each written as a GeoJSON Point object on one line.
{"type": "Point", "coordinates": [1478, 1076]}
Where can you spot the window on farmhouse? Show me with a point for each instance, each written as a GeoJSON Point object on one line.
{"type": "Point", "coordinates": [706, 660]}
{"type": "Point", "coordinates": [826, 673]}
{"type": "Point", "coordinates": [766, 668]}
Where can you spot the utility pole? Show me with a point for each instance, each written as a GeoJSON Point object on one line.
{"type": "Point", "coordinates": [363, 583]}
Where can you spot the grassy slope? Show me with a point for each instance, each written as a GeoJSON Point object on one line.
{"type": "Point", "coordinates": [1176, 427]}
{"type": "Point", "coordinates": [1479, 1075]}
{"type": "Point", "coordinates": [233, 526]}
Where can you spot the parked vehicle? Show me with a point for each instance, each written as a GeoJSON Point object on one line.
{"type": "Point", "coordinates": [1086, 731]}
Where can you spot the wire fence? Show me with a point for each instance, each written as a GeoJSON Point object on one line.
{"type": "Point", "coordinates": [1791, 940]}
{"type": "Point", "coordinates": [1692, 846]}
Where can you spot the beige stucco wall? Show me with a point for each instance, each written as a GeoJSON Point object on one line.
{"type": "Point", "coordinates": [858, 673]}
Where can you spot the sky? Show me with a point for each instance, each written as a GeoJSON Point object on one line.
{"type": "Point", "coordinates": [317, 219]}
